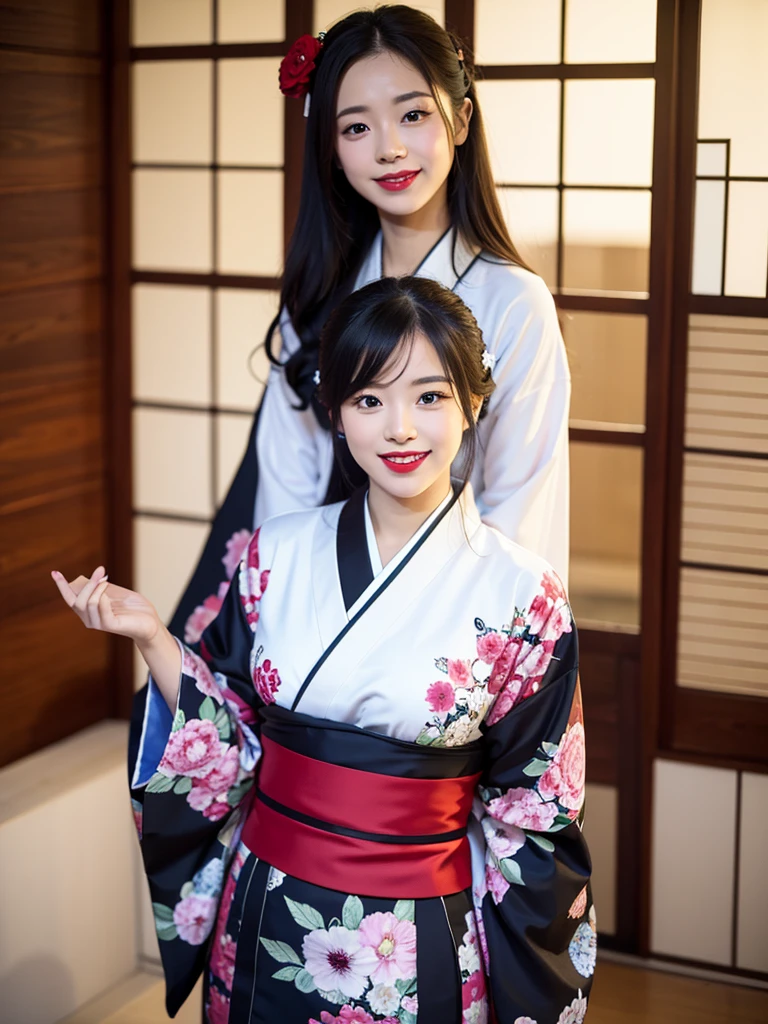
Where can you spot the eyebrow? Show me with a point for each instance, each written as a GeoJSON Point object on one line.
{"type": "Point", "coordinates": [398, 99]}
{"type": "Point", "coordinates": [414, 383]}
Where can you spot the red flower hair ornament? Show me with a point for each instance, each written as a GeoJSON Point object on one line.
{"type": "Point", "coordinates": [298, 66]}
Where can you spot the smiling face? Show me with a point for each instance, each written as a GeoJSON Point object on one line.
{"type": "Point", "coordinates": [405, 429]}
{"type": "Point", "coordinates": [391, 140]}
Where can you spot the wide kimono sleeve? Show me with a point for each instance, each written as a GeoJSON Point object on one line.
{"type": "Point", "coordinates": [534, 907]}
{"type": "Point", "coordinates": [191, 778]}
{"type": "Point", "coordinates": [524, 490]}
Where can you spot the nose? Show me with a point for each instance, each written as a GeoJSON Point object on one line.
{"type": "Point", "coordinates": [390, 146]}
{"type": "Point", "coordinates": [400, 426]}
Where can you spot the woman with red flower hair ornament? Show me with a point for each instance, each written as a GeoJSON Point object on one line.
{"type": "Point", "coordinates": [397, 180]}
{"type": "Point", "coordinates": [361, 802]}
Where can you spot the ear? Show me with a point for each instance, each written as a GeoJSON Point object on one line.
{"type": "Point", "coordinates": [461, 122]}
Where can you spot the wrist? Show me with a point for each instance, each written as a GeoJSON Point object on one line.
{"type": "Point", "coordinates": [159, 639]}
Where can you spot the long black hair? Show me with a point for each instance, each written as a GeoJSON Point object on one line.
{"type": "Point", "coordinates": [367, 329]}
{"type": "Point", "coordinates": [335, 225]}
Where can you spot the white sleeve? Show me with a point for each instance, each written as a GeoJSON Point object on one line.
{"type": "Point", "coordinates": [294, 456]}
{"type": "Point", "coordinates": [524, 488]}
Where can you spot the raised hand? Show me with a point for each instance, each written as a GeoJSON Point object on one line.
{"type": "Point", "coordinates": [100, 604]}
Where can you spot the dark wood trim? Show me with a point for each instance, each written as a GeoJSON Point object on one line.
{"type": "Point", "coordinates": [138, 166]}
{"type": "Point", "coordinates": [210, 51]}
{"type": "Point", "coordinates": [298, 20]}
{"type": "Point", "coordinates": [728, 305]}
{"type": "Point", "coordinates": [212, 407]}
{"type": "Point", "coordinates": [731, 972]}
{"type": "Point", "coordinates": [460, 19]}
{"type": "Point", "coordinates": [625, 434]}
{"type": "Point", "coordinates": [175, 517]}
{"type": "Point", "coordinates": [204, 280]}
{"type": "Point", "coordinates": [117, 130]}
{"type": "Point", "coordinates": [712, 725]}
{"type": "Point", "coordinates": [747, 570]}
{"type": "Point", "coordinates": [597, 641]}
{"type": "Point", "coordinates": [709, 760]}
{"type": "Point", "coordinates": [727, 452]}
{"type": "Point", "coordinates": [601, 303]}
{"type": "Point", "coordinates": [494, 72]}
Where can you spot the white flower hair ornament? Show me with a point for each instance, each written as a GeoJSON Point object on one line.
{"type": "Point", "coordinates": [316, 378]}
{"type": "Point", "coordinates": [489, 360]}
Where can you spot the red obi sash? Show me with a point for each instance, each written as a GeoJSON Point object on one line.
{"type": "Point", "coordinates": [358, 831]}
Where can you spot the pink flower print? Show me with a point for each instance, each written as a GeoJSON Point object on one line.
{"type": "Point", "coordinates": [440, 696]}
{"type": "Point", "coordinates": [505, 663]}
{"type": "Point", "coordinates": [482, 939]}
{"type": "Point", "coordinates": [460, 672]}
{"type": "Point", "coordinates": [223, 952]}
{"type": "Point", "coordinates": [524, 1020]}
{"type": "Point", "coordinates": [204, 614]}
{"type": "Point", "coordinates": [193, 917]}
{"type": "Point", "coordinates": [496, 883]}
{"type": "Point", "coordinates": [217, 1010]}
{"type": "Point", "coordinates": [524, 808]}
{"type": "Point", "coordinates": [267, 681]}
{"type": "Point", "coordinates": [354, 1015]}
{"type": "Point", "coordinates": [559, 622]}
{"type": "Point", "coordinates": [504, 703]}
{"type": "Point", "coordinates": [209, 794]}
{"type": "Point", "coordinates": [393, 944]}
{"type": "Point", "coordinates": [411, 1004]}
{"type": "Point", "coordinates": [490, 646]}
{"type": "Point", "coordinates": [473, 989]}
{"type": "Point", "coordinates": [503, 840]}
{"type": "Point", "coordinates": [552, 586]}
{"type": "Point", "coordinates": [235, 547]}
{"type": "Point", "coordinates": [194, 750]}
{"type": "Point", "coordinates": [192, 665]}
{"type": "Point", "coordinates": [565, 778]}
{"type": "Point", "coordinates": [338, 961]}
{"type": "Point", "coordinates": [579, 905]}
{"type": "Point", "coordinates": [575, 1012]}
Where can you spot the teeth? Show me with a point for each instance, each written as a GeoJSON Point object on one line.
{"type": "Point", "coordinates": [403, 458]}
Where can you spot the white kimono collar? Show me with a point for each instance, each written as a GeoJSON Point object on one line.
{"type": "Point", "coordinates": [445, 262]}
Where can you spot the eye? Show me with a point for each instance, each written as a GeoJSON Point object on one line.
{"type": "Point", "coordinates": [355, 129]}
{"type": "Point", "coordinates": [431, 397]}
{"type": "Point", "coordinates": [367, 402]}
{"type": "Point", "coordinates": [414, 116]}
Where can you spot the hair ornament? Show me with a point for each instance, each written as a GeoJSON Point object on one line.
{"type": "Point", "coordinates": [316, 378]}
{"type": "Point", "coordinates": [489, 360]}
{"type": "Point", "coordinates": [298, 65]}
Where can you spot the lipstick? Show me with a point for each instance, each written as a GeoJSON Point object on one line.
{"type": "Point", "coordinates": [397, 182]}
{"type": "Point", "coordinates": [403, 462]}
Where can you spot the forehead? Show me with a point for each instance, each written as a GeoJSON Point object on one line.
{"type": "Point", "coordinates": [381, 77]}
{"type": "Point", "coordinates": [411, 360]}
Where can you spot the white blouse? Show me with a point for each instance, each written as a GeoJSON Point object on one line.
{"type": "Point", "coordinates": [520, 478]}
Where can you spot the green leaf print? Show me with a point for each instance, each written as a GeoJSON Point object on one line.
{"type": "Point", "coordinates": [304, 981]}
{"type": "Point", "coordinates": [535, 768]}
{"type": "Point", "coordinates": [187, 889]}
{"type": "Point", "coordinates": [160, 783]}
{"type": "Point", "coordinates": [182, 785]}
{"type": "Point", "coordinates": [352, 912]}
{"type": "Point", "coordinates": [561, 821]}
{"type": "Point", "coordinates": [236, 794]}
{"type": "Point", "coordinates": [167, 933]}
{"type": "Point", "coordinates": [223, 724]}
{"type": "Point", "coordinates": [208, 709]}
{"type": "Point", "coordinates": [305, 916]}
{"type": "Point", "coordinates": [286, 973]}
{"type": "Point", "coordinates": [162, 913]}
{"type": "Point", "coordinates": [511, 871]}
{"type": "Point", "coordinates": [282, 952]}
{"type": "Point", "coordinates": [405, 910]}
{"type": "Point", "coordinates": [164, 926]}
{"type": "Point", "coordinates": [545, 844]}
{"type": "Point", "coordinates": [406, 1017]}
{"type": "Point", "coordinates": [549, 748]}
{"type": "Point", "coordinates": [179, 721]}
{"type": "Point", "coordinates": [405, 986]}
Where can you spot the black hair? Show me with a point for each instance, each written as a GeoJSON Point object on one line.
{"type": "Point", "coordinates": [335, 226]}
{"type": "Point", "coordinates": [369, 326]}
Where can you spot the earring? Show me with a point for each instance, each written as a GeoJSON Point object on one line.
{"type": "Point", "coordinates": [341, 436]}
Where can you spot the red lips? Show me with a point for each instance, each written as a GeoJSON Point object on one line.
{"type": "Point", "coordinates": [392, 461]}
{"type": "Point", "coordinates": [397, 181]}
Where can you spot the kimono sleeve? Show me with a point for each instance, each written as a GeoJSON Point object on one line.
{"type": "Point", "coordinates": [192, 776]}
{"type": "Point", "coordinates": [525, 474]}
{"type": "Point", "coordinates": [534, 906]}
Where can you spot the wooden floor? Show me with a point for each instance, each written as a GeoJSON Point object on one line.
{"type": "Point", "coordinates": [621, 995]}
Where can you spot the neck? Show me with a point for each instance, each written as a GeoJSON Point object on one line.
{"type": "Point", "coordinates": [395, 520]}
{"type": "Point", "coordinates": [407, 240]}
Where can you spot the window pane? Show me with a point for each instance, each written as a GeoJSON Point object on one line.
{"type": "Point", "coordinates": [170, 22]}
{"type": "Point", "coordinates": [250, 222]}
{"type": "Point", "coordinates": [172, 461]}
{"type": "Point", "coordinates": [172, 220]}
{"type": "Point", "coordinates": [232, 430]}
{"type": "Point", "coordinates": [532, 218]}
{"type": "Point", "coordinates": [242, 366]}
{"type": "Point", "coordinates": [709, 223]}
{"type": "Point", "coordinates": [171, 344]}
{"type": "Point", "coordinates": [250, 121]}
{"type": "Point", "coordinates": [517, 31]}
{"type": "Point", "coordinates": [733, 80]}
{"type": "Point", "coordinates": [608, 132]}
{"type": "Point", "coordinates": [746, 253]}
{"type": "Point", "coordinates": [165, 554]}
{"type": "Point", "coordinates": [522, 120]}
{"type": "Point", "coordinates": [606, 240]}
{"type": "Point", "coordinates": [711, 158]}
{"type": "Point", "coordinates": [329, 11]}
{"type": "Point", "coordinates": [172, 112]}
{"type": "Point", "coordinates": [607, 357]}
{"type": "Point", "coordinates": [606, 503]}
{"type": "Point", "coordinates": [610, 32]}
{"type": "Point", "coordinates": [243, 21]}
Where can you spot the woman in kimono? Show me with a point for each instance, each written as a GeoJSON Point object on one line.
{"type": "Point", "coordinates": [397, 180]}
{"type": "Point", "coordinates": [362, 801]}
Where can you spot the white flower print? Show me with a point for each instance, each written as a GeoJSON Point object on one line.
{"type": "Point", "coordinates": [384, 999]}
{"type": "Point", "coordinates": [469, 961]}
{"type": "Point", "coordinates": [275, 878]}
{"type": "Point", "coordinates": [337, 961]}
{"type": "Point", "coordinates": [575, 1013]}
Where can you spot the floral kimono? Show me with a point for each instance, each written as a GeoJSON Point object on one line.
{"type": "Point", "coordinates": [368, 804]}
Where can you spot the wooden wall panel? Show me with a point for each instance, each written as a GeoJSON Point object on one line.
{"type": "Point", "coordinates": [53, 352]}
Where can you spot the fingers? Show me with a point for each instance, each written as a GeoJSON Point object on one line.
{"type": "Point", "coordinates": [79, 592]}
{"type": "Point", "coordinates": [93, 605]}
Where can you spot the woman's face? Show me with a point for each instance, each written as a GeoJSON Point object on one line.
{"type": "Point", "coordinates": [391, 140]}
{"type": "Point", "coordinates": [405, 429]}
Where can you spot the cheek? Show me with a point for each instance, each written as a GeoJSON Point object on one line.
{"type": "Point", "coordinates": [351, 157]}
